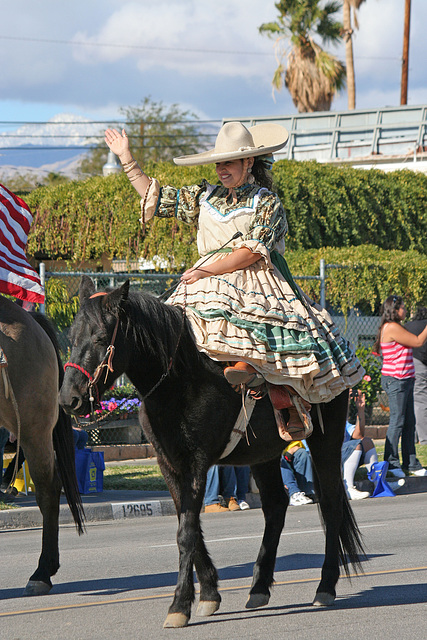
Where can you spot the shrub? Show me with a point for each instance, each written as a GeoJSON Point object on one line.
{"type": "Point", "coordinates": [326, 206]}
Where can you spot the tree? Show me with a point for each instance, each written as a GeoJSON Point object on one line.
{"type": "Point", "coordinates": [92, 162]}
{"type": "Point", "coordinates": [348, 39]}
{"type": "Point", "coordinates": [159, 132]}
{"type": "Point", "coordinates": [311, 74]}
{"type": "Point", "coordinates": [156, 131]}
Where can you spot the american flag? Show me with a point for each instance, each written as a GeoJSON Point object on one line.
{"type": "Point", "coordinates": [17, 276]}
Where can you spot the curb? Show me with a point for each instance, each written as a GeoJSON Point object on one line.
{"type": "Point", "coordinates": [127, 508]}
{"type": "Point", "coordinates": [129, 505]}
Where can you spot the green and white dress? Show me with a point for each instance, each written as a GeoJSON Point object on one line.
{"type": "Point", "coordinates": [257, 314]}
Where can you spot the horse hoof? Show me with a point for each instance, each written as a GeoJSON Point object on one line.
{"type": "Point", "coordinates": [36, 588]}
{"type": "Point", "coordinates": [207, 607]}
{"type": "Point", "coordinates": [256, 600]}
{"type": "Point", "coordinates": [176, 621]}
{"type": "Point", "coordinates": [323, 600]}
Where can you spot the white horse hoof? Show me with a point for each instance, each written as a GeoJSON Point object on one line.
{"type": "Point", "coordinates": [36, 588]}
{"type": "Point", "coordinates": [207, 607]}
{"type": "Point", "coordinates": [176, 621]}
{"type": "Point", "coordinates": [256, 600]}
{"type": "Point", "coordinates": [323, 600]}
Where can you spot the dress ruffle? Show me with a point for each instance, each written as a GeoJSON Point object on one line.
{"type": "Point", "coordinates": [254, 315]}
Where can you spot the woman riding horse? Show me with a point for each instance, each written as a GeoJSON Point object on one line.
{"type": "Point", "coordinates": [244, 307]}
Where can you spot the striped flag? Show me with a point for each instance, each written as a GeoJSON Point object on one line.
{"type": "Point", "coordinates": [17, 276]}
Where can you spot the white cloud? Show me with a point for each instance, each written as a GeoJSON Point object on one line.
{"type": "Point", "coordinates": [184, 36]}
{"type": "Point", "coordinates": [97, 80]}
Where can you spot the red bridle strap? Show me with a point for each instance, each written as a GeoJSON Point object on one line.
{"type": "Point", "coordinates": [86, 373]}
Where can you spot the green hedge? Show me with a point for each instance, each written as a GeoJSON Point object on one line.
{"type": "Point", "coordinates": [344, 207]}
{"type": "Point", "coordinates": [370, 274]}
{"type": "Point", "coordinates": [326, 206]}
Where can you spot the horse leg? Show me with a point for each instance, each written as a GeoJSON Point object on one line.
{"type": "Point", "coordinates": [210, 599]}
{"type": "Point", "coordinates": [331, 498]}
{"type": "Point", "coordinates": [41, 465]}
{"type": "Point", "coordinates": [207, 576]}
{"type": "Point", "coordinates": [341, 532]}
{"type": "Point", "coordinates": [274, 502]}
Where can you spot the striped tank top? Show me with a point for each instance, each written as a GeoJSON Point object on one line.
{"type": "Point", "coordinates": [397, 360]}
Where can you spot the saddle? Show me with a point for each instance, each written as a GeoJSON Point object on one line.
{"type": "Point", "coordinates": [299, 425]}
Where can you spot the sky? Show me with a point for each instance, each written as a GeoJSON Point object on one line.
{"type": "Point", "coordinates": [88, 58]}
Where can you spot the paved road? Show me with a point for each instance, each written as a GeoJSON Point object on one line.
{"type": "Point", "coordinates": [117, 580]}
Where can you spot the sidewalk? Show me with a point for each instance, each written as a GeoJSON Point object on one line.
{"type": "Point", "coordinates": [124, 505]}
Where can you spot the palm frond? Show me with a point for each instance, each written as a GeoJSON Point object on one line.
{"type": "Point", "coordinates": [312, 77]}
{"type": "Point", "coordinates": [271, 29]}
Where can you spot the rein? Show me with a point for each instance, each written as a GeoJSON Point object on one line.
{"type": "Point", "coordinates": [8, 392]}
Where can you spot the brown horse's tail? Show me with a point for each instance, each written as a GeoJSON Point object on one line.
{"type": "Point", "coordinates": [63, 444]}
{"type": "Point", "coordinates": [63, 441]}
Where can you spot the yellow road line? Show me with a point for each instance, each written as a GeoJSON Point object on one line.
{"type": "Point", "coordinates": [170, 595]}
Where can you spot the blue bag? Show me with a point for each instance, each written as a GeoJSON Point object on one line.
{"type": "Point", "coordinates": [377, 475]}
{"type": "Point", "coordinates": [90, 470]}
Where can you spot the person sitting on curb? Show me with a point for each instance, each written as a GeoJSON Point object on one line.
{"type": "Point", "coordinates": [80, 437]}
{"type": "Point", "coordinates": [217, 477]}
{"type": "Point", "coordinates": [9, 471]}
{"type": "Point", "coordinates": [357, 450]}
{"type": "Point", "coordinates": [297, 473]}
{"type": "Point", "coordinates": [241, 485]}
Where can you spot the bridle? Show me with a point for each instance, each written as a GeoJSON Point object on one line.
{"type": "Point", "coordinates": [106, 362]}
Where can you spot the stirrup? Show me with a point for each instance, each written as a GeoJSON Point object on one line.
{"type": "Point", "coordinates": [299, 425]}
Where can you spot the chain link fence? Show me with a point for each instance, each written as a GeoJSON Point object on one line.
{"type": "Point", "coordinates": [358, 330]}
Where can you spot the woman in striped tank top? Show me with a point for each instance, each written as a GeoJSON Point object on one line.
{"type": "Point", "coordinates": [395, 344]}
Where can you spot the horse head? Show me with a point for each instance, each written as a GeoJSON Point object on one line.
{"type": "Point", "coordinates": [96, 357]}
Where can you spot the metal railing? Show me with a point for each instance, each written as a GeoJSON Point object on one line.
{"type": "Point", "coordinates": [344, 135]}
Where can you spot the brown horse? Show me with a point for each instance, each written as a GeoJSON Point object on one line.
{"type": "Point", "coordinates": [29, 386]}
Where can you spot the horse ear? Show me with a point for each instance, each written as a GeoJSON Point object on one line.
{"type": "Point", "coordinates": [125, 290]}
{"type": "Point", "coordinates": [112, 301]}
{"type": "Point", "coordinates": [86, 288]}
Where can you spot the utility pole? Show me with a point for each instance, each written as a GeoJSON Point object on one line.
{"type": "Point", "coordinates": [349, 59]}
{"type": "Point", "coordinates": [405, 55]}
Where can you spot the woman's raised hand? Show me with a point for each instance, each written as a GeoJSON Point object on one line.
{"type": "Point", "coordinates": [117, 142]}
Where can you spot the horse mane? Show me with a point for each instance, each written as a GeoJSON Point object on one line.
{"type": "Point", "coordinates": [157, 329]}
{"type": "Point", "coordinates": [166, 334]}
{"type": "Point", "coordinates": [49, 329]}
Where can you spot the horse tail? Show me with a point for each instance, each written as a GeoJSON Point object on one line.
{"type": "Point", "coordinates": [63, 444]}
{"type": "Point", "coordinates": [63, 441]}
{"type": "Point", "coordinates": [351, 550]}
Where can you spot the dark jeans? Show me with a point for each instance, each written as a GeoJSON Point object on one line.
{"type": "Point", "coordinates": [298, 475]}
{"type": "Point", "coordinates": [400, 395]}
{"type": "Point", "coordinates": [7, 476]}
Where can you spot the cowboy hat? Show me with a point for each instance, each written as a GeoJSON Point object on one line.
{"type": "Point", "coordinates": [235, 141]}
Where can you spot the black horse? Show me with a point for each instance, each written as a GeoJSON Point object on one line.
{"type": "Point", "coordinates": [189, 414]}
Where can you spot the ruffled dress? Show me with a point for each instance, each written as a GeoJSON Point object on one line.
{"type": "Point", "coordinates": [257, 314]}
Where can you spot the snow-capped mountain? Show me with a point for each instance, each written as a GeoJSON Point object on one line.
{"type": "Point", "coordinates": [56, 142]}
{"type": "Point", "coordinates": [64, 129]}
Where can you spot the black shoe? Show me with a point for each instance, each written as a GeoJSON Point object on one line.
{"type": "Point", "coordinates": [6, 497]}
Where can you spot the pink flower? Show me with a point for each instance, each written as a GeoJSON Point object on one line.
{"type": "Point", "coordinates": [367, 378]}
{"type": "Point", "coordinates": [111, 406]}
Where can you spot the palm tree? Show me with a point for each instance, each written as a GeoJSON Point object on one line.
{"type": "Point", "coordinates": [348, 39]}
{"type": "Point", "coordinates": [312, 75]}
